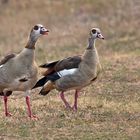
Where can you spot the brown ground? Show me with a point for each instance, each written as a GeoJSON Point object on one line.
{"type": "Point", "coordinates": [110, 108]}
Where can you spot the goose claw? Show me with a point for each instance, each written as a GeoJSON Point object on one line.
{"type": "Point", "coordinates": [33, 117]}
{"type": "Point", "coordinates": [7, 114]}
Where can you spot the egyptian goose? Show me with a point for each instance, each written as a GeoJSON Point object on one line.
{"type": "Point", "coordinates": [72, 72]}
{"type": "Point", "coordinates": [19, 72]}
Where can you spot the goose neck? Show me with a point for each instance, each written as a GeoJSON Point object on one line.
{"type": "Point", "coordinates": [31, 42]}
{"type": "Point", "coordinates": [91, 43]}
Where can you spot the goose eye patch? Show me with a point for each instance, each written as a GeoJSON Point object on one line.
{"type": "Point", "coordinates": [93, 31]}
{"type": "Point", "coordinates": [35, 27]}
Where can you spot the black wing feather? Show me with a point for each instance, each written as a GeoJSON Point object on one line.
{"type": "Point", "coordinates": [41, 82]}
{"type": "Point", "coordinates": [48, 65]}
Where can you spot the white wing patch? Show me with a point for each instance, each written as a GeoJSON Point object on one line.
{"type": "Point", "coordinates": [1, 66]}
{"type": "Point", "coordinates": [66, 72]}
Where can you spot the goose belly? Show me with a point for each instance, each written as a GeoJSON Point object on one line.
{"type": "Point", "coordinates": [18, 85]}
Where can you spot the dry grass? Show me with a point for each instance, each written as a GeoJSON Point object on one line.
{"type": "Point", "coordinates": [110, 108]}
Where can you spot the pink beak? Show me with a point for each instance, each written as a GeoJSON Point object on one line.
{"type": "Point", "coordinates": [100, 36]}
{"type": "Point", "coordinates": [45, 32]}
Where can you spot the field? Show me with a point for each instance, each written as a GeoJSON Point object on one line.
{"type": "Point", "coordinates": [109, 109]}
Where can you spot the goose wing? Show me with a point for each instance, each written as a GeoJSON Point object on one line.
{"type": "Point", "coordinates": [64, 64]}
{"type": "Point", "coordinates": [7, 58]}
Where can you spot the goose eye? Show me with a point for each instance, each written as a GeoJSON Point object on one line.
{"type": "Point", "coordinates": [35, 27]}
{"type": "Point", "coordinates": [93, 31]}
{"type": "Point", "coordinates": [42, 29]}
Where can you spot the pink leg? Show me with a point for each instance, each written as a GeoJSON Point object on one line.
{"type": "Point", "coordinates": [75, 100]}
{"type": "Point", "coordinates": [64, 100]}
{"type": "Point", "coordinates": [29, 108]}
{"type": "Point", "coordinates": [6, 108]}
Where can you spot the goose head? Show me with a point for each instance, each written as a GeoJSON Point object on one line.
{"type": "Point", "coordinates": [37, 31]}
{"type": "Point", "coordinates": [96, 33]}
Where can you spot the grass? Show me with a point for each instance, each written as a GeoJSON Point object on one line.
{"type": "Point", "coordinates": [109, 109]}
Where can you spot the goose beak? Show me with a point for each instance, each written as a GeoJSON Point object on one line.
{"type": "Point", "coordinates": [100, 36]}
{"type": "Point", "coordinates": [44, 31]}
